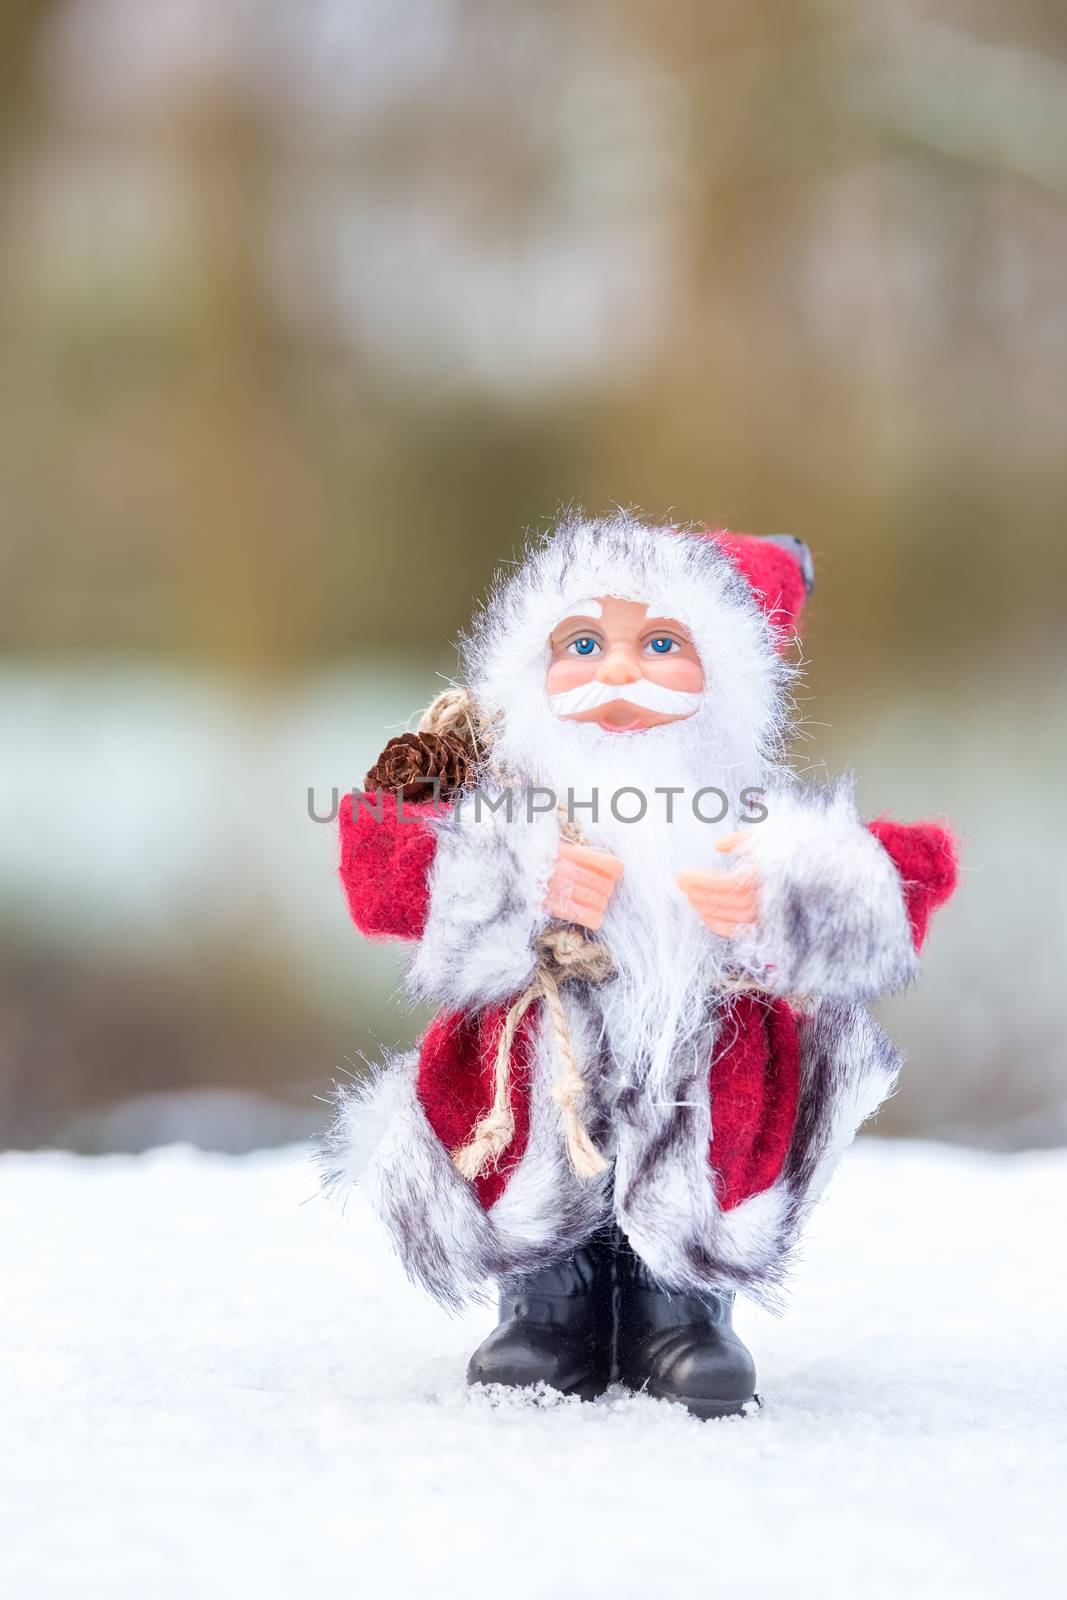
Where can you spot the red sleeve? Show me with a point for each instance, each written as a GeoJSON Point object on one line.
{"type": "Point", "coordinates": [385, 865]}
{"type": "Point", "coordinates": [925, 856]}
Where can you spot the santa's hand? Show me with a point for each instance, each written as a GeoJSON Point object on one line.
{"type": "Point", "coordinates": [725, 900]}
{"type": "Point", "coordinates": [581, 884]}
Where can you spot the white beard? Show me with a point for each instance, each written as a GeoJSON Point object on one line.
{"type": "Point", "coordinates": [668, 961]}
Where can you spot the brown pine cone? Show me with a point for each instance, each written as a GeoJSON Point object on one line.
{"type": "Point", "coordinates": [421, 755]}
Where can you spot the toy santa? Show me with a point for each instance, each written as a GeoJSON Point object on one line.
{"type": "Point", "coordinates": [652, 948]}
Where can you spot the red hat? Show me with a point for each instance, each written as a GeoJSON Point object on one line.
{"type": "Point", "coordinates": [780, 570]}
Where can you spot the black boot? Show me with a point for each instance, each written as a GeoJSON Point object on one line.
{"type": "Point", "coordinates": [556, 1326]}
{"type": "Point", "coordinates": [680, 1347]}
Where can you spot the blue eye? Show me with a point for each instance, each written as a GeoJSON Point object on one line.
{"type": "Point", "coordinates": [663, 645]}
{"type": "Point", "coordinates": [585, 647]}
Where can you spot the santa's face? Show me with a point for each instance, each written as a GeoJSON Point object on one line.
{"type": "Point", "coordinates": [614, 665]}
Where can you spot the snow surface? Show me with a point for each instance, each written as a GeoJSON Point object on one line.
{"type": "Point", "coordinates": [209, 1388]}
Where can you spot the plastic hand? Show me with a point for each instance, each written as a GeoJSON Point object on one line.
{"type": "Point", "coordinates": [725, 900]}
{"type": "Point", "coordinates": [582, 883]}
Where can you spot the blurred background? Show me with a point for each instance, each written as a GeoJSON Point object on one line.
{"type": "Point", "coordinates": [308, 308]}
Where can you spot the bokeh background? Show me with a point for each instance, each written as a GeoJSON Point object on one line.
{"type": "Point", "coordinates": [309, 307]}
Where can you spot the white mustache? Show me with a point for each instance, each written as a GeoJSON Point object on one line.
{"type": "Point", "coordinates": [649, 696]}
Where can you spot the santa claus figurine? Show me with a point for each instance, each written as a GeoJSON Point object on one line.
{"type": "Point", "coordinates": [652, 948]}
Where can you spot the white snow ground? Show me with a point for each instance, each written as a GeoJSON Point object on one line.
{"type": "Point", "coordinates": [208, 1388]}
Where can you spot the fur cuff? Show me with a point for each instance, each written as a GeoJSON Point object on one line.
{"type": "Point", "coordinates": [487, 889]}
{"type": "Point", "coordinates": [833, 921]}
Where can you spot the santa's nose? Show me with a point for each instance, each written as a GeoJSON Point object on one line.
{"type": "Point", "coordinates": [618, 666]}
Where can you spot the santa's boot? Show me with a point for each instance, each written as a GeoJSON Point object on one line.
{"type": "Point", "coordinates": [555, 1326]}
{"type": "Point", "coordinates": [680, 1347]}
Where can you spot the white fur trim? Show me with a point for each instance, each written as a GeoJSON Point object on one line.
{"type": "Point", "coordinates": [848, 1067]}
{"type": "Point", "coordinates": [664, 1188]}
{"type": "Point", "coordinates": [487, 890]}
{"type": "Point", "coordinates": [832, 922]}
{"type": "Point", "coordinates": [366, 1108]}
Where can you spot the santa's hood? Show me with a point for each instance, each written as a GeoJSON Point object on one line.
{"type": "Point", "coordinates": [693, 576]}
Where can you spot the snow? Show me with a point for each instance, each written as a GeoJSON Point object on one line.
{"type": "Point", "coordinates": [208, 1387]}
